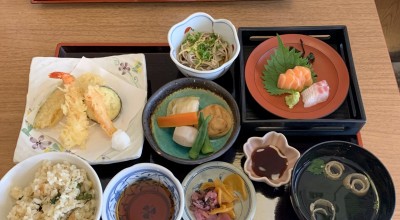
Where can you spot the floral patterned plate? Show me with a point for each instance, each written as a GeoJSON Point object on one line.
{"type": "Point", "coordinates": [126, 74]}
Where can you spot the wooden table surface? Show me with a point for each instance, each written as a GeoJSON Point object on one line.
{"type": "Point", "coordinates": [31, 30]}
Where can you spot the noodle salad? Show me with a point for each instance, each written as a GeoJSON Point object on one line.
{"type": "Point", "coordinates": [204, 51]}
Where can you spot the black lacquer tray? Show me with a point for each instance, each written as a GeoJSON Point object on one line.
{"type": "Point", "coordinates": [349, 118]}
{"type": "Point", "coordinates": [272, 202]}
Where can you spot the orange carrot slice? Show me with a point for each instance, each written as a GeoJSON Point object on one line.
{"type": "Point", "coordinates": [176, 120]}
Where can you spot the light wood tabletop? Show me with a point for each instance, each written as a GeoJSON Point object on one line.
{"type": "Point", "coordinates": [33, 30]}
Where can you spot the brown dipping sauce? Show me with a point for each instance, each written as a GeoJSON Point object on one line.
{"type": "Point", "coordinates": [267, 162]}
{"type": "Point", "coordinates": [145, 200]}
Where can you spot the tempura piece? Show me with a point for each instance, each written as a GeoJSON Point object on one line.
{"type": "Point", "coordinates": [94, 100]}
{"type": "Point", "coordinates": [50, 112]}
{"type": "Point", "coordinates": [75, 131]}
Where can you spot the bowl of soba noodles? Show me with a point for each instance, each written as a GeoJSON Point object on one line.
{"type": "Point", "coordinates": [203, 47]}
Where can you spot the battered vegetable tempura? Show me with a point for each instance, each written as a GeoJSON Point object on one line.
{"type": "Point", "coordinates": [75, 130]}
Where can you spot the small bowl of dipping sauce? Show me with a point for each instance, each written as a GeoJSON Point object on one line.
{"type": "Point", "coordinates": [270, 159]}
{"type": "Point", "coordinates": [143, 191]}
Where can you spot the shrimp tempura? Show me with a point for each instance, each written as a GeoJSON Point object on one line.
{"type": "Point", "coordinates": [76, 128]}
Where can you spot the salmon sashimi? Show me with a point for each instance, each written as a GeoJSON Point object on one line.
{"type": "Point", "coordinates": [316, 93]}
{"type": "Point", "coordinates": [297, 79]}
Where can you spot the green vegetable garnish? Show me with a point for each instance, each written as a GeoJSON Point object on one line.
{"type": "Point", "coordinates": [84, 196]}
{"type": "Point", "coordinates": [292, 99]}
{"type": "Point", "coordinates": [201, 136]}
{"type": "Point", "coordinates": [55, 199]}
{"type": "Point", "coordinates": [207, 147]}
{"type": "Point", "coordinates": [282, 60]}
{"type": "Point", "coordinates": [204, 48]}
{"type": "Point", "coordinates": [316, 167]}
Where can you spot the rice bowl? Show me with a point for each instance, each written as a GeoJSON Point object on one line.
{"type": "Point", "coordinates": [51, 186]}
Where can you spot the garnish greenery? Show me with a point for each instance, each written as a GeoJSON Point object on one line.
{"type": "Point", "coordinates": [55, 198]}
{"type": "Point", "coordinates": [202, 48]}
{"type": "Point", "coordinates": [283, 59]}
{"type": "Point", "coordinates": [84, 196]}
{"type": "Point", "coordinates": [316, 167]}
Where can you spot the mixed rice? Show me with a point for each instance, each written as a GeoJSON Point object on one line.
{"type": "Point", "coordinates": [59, 191]}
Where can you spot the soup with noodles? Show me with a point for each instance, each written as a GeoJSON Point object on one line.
{"type": "Point", "coordinates": [204, 51]}
{"type": "Point", "coordinates": [342, 189]}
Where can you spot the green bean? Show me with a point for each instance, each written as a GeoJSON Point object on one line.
{"type": "Point", "coordinates": [201, 136]}
{"type": "Point", "coordinates": [207, 147]}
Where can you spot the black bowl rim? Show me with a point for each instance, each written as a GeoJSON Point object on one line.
{"type": "Point", "coordinates": [230, 141]}
{"type": "Point", "coordinates": [391, 187]}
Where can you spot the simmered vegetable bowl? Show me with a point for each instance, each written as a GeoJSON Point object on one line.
{"type": "Point", "coordinates": [208, 94]}
{"type": "Point", "coordinates": [164, 135]}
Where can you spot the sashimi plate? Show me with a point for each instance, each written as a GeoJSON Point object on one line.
{"type": "Point", "coordinates": [328, 65]}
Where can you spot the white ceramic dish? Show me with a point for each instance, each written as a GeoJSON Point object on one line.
{"type": "Point", "coordinates": [244, 210]}
{"type": "Point", "coordinates": [23, 174]}
{"type": "Point", "coordinates": [202, 22]}
{"type": "Point", "coordinates": [279, 141]}
{"type": "Point", "coordinates": [97, 150]}
{"type": "Point", "coordinates": [130, 175]}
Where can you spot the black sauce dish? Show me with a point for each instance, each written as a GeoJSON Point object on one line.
{"type": "Point", "coordinates": [310, 183]}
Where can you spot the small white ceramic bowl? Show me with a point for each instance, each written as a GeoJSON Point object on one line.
{"type": "Point", "coordinates": [23, 174]}
{"type": "Point", "coordinates": [202, 22]}
{"type": "Point", "coordinates": [207, 172]}
{"type": "Point", "coordinates": [279, 141]}
{"type": "Point", "coordinates": [135, 173]}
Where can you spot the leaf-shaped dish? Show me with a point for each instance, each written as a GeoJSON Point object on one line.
{"type": "Point", "coordinates": [328, 65]}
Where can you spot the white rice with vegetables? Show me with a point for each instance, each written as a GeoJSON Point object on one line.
{"type": "Point", "coordinates": [59, 191]}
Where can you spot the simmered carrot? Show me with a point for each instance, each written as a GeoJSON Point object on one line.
{"type": "Point", "coordinates": [176, 120]}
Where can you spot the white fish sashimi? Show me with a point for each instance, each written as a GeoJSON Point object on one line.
{"type": "Point", "coordinates": [316, 93]}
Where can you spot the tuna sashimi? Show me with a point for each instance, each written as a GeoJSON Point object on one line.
{"type": "Point", "coordinates": [296, 79]}
{"type": "Point", "coordinates": [316, 93]}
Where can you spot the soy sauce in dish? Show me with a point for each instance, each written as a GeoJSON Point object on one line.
{"type": "Point", "coordinates": [145, 199]}
{"type": "Point", "coordinates": [267, 162]}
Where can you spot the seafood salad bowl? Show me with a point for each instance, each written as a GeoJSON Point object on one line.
{"type": "Point", "coordinates": [70, 188]}
{"type": "Point", "coordinates": [143, 191]}
{"type": "Point", "coordinates": [195, 34]}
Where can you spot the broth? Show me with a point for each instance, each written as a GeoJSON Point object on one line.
{"type": "Point", "coordinates": [144, 200]}
{"type": "Point", "coordinates": [311, 187]}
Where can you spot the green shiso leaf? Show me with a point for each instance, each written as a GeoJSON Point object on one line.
{"type": "Point", "coordinates": [282, 60]}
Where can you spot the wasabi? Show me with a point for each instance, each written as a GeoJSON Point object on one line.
{"type": "Point", "coordinates": [292, 99]}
